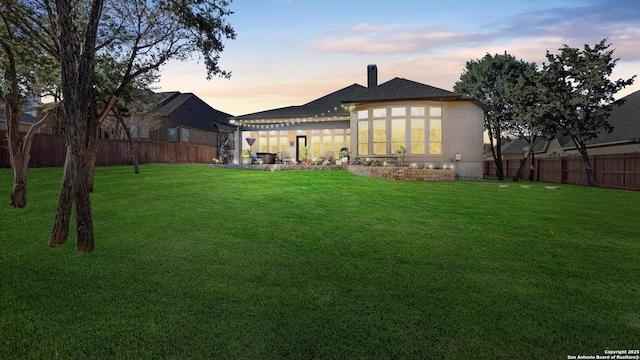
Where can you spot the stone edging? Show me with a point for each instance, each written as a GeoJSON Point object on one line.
{"type": "Point", "coordinates": [404, 173]}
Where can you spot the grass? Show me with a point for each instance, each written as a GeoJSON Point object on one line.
{"type": "Point", "coordinates": [192, 262]}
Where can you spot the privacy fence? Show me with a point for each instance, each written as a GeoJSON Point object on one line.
{"type": "Point", "coordinates": [49, 151]}
{"type": "Point", "coordinates": [619, 171]}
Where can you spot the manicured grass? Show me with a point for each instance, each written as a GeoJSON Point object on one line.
{"type": "Point", "coordinates": [193, 262]}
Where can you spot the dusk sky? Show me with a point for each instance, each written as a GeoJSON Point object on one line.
{"type": "Point", "coordinates": [289, 52]}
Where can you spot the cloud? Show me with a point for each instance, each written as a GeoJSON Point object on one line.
{"type": "Point", "coordinates": [394, 39]}
{"type": "Point", "coordinates": [574, 26]}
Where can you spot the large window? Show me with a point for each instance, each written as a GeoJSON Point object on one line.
{"type": "Point", "coordinates": [273, 144]}
{"type": "Point", "coordinates": [398, 134]}
{"type": "Point", "coordinates": [283, 143]}
{"type": "Point", "coordinates": [379, 137]}
{"type": "Point", "coordinates": [315, 147]}
{"type": "Point", "coordinates": [363, 138]}
{"type": "Point", "coordinates": [382, 131]}
{"type": "Point", "coordinates": [264, 145]}
{"type": "Point", "coordinates": [417, 136]}
{"type": "Point", "coordinates": [435, 136]}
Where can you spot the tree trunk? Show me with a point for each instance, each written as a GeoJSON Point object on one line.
{"type": "Point", "coordinates": [523, 162]}
{"type": "Point", "coordinates": [84, 222]}
{"type": "Point", "coordinates": [18, 198]}
{"type": "Point", "coordinates": [132, 145]}
{"type": "Point", "coordinates": [582, 148]}
{"type": "Point", "coordinates": [60, 230]}
{"type": "Point", "coordinates": [497, 156]}
{"type": "Point", "coordinates": [20, 156]}
{"type": "Point", "coordinates": [532, 167]}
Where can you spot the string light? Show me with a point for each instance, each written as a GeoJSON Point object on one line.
{"type": "Point", "coordinates": [323, 116]}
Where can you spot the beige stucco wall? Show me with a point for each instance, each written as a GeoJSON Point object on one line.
{"type": "Point", "coordinates": [462, 133]}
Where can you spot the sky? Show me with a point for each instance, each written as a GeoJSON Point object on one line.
{"type": "Point", "coordinates": [290, 52]}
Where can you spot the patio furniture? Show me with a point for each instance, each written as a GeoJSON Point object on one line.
{"type": "Point", "coordinates": [283, 157]}
{"type": "Point", "coordinates": [267, 158]}
{"type": "Point", "coordinates": [328, 156]}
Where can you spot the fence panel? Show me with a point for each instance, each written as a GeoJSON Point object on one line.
{"type": "Point", "coordinates": [619, 171]}
{"type": "Point", "coordinates": [49, 151]}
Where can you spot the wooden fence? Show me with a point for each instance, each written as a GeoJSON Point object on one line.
{"type": "Point", "coordinates": [619, 171]}
{"type": "Point", "coordinates": [49, 151]}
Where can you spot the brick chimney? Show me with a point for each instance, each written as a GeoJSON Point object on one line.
{"type": "Point", "coordinates": [372, 76]}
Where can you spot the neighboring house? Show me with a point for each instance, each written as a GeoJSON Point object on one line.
{"type": "Point", "coordinates": [26, 120]}
{"type": "Point", "coordinates": [30, 114]}
{"type": "Point", "coordinates": [185, 118]}
{"type": "Point", "coordinates": [625, 137]}
{"type": "Point", "coordinates": [434, 125]}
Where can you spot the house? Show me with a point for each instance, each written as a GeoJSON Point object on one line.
{"type": "Point", "coordinates": [185, 118]}
{"type": "Point", "coordinates": [434, 125]}
{"type": "Point", "coordinates": [30, 114]}
{"type": "Point", "coordinates": [624, 139]}
{"type": "Point", "coordinates": [26, 120]}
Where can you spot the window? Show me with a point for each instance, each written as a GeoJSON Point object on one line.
{"type": "Point", "coordinates": [172, 134]}
{"type": "Point", "coordinates": [417, 136]}
{"type": "Point", "coordinates": [377, 113]}
{"type": "Point", "coordinates": [315, 147]}
{"type": "Point", "coordinates": [417, 128]}
{"type": "Point", "coordinates": [273, 144]}
{"type": "Point", "coordinates": [363, 138]}
{"type": "Point", "coordinates": [327, 144]}
{"type": "Point", "coordinates": [398, 134]}
{"type": "Point", "coordinates": [363, 114]}
{"type": "Point", "coordinates": [185, 135]}
{"type": "Point", "coordinates": [338, 143]}
{"type": "Point", "coordinates": [283, 145]}
{"type": "Point", "coordinates": [262, 141]}
{"type": "Point", "coordinates": [417, 111]}
{"type": "Point", "coordinates": [398, 111]}
{"type": "Point", "coordinates": [379, 137]}
{"type": "Point", "coordinates": [435, 136]}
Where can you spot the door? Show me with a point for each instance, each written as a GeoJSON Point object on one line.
{"type": "Point", "coordinates": [300, 142]}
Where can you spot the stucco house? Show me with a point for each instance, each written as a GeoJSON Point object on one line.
{"type": "Point", "coordinates": [624, 139]}
{"type": "Point", "coordinates": [434, 125]}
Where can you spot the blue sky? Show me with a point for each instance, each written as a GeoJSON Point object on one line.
{"type": "Point", "coordinates": [289, 52]}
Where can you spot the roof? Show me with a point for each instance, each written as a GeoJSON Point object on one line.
{"type": "Point", "coordinates": [518, 146]}
{"type": "Point", "coordinates": [625, 120]}
{"type": "Point", "coordinates": [329, 105]}
{"type": "Point", "coordinates": [190, 111]}
{"type": "Point", "coordinates": [25, 118]}
{"type": "Point", "coordinates": [398, 89]}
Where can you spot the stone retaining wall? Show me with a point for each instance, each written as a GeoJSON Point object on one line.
{"type": "Point", "coordinates": [403, 173]}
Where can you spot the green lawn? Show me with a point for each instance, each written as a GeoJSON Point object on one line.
{"type": "Point", "coordinates": [193, 262]}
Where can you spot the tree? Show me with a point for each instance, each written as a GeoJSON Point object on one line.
{"type": "Point", "coordinates": [529, 121]}
{"type": "Point", "coordinates": [579, 94]}
{"type": "Point", "coordinates": [142, 35]}
{"type": "Point", "coordinates": [487, 80]}
{"type": "Point", "coordinates": [18, 80]}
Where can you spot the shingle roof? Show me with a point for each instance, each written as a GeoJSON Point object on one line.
{"type": "Point", "coordinates": [398, 89]}
{"type": "Point", "coordinates": [24, 118]}
{"type": "Point", "coordinates": [401, 89]}
{"type": "Point", "coordinates": [328, 103]}
{"type": "Point", "coordinates": [517, 146]}
{"type": "Point", "coordinates": [190, 111]}
{"type": "Point", "coordinates": [625, 120]}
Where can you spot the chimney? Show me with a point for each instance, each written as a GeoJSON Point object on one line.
{"type": "Point", "coordinates": [372, 76]}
